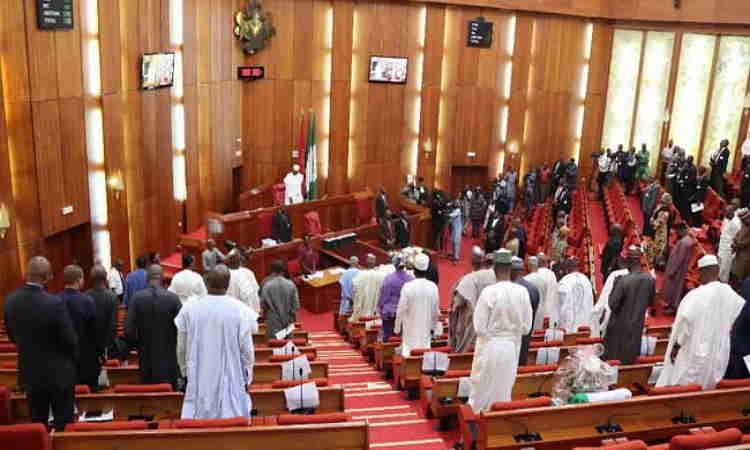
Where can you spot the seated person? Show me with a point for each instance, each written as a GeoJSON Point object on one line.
{"type": "Point", "coordinates": [308, 257]}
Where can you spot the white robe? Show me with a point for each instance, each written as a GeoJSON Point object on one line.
{"type": "Point", "coordinates": [502, 317]}
{"type": "Point", "coordinates": [187, 285]}
{"type": "Point", "coordinates": [244, 287]}
{"type": "Point", "coordinates": [702, 328]}
{"type": "Point", "coordinates": [599, 326]}
{"type": "Point", "coordinates": [215, 352]}
{"type": "Point", "coordinates": [417, 314]}
{"type": "Point", "coordinates": [729, 229]}
{"type": "Point", "coordinates": [293, 188]}
{"type": "Point", "coordinates": [367, 285]}
{"type": "Point", "coordinates": [576, 301]}
{"type": "Point", "coordinates": [549, 306]}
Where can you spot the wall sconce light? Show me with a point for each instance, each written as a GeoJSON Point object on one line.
{"type": "Point", "coordinates": [4, 221]}
{"type": "Point", "coordinates": [747, 101]}
{"type": "Point", "coordinates": [513, 148]}
{"type": "Point", "coordinates": [666, 116]}
{"type": "Point", "coordinates": [116, 184]}
{"type": "Point", "coordinates": [428, 146]}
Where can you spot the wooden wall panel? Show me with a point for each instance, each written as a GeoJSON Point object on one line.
{"type": "Point", "coordinates": [431, 90]}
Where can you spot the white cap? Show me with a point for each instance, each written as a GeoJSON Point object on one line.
{"type": "Point", "coordinates": [708, 260]}
{"type": "Point", "coordinates": [421, 262]}
{"type": "Point", "coordinates": [295, 167]}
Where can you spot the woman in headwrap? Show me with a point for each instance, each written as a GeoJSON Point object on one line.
{"type": "Point", "coordinates": [661, 221]}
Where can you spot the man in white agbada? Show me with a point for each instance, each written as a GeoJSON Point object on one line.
{"type": "Point", "coordinates": [576, 298]}
{"type": "Point", "coordinates": [293, 186]}
{"type": "Point", "coordinates": [242, 283]}
{"type": "Point", "coordinates": [418, 309]}
{"type": "Point", "coordinates": [545, 281]}
{"type": "Point", "coordinates": [215, 352]}
{"type": "Point", "coordinates": [698, 350]}
{"type": "Point", "coordinates": [502, 317]}
{"type": "Point", "coordinates": [187, 283]}
{"type": "Point", "coordinates": [367, 285]}
{"type": "Point", "coordinates": [730, 226]}
{"type": "Point", "coordinates": [602, 312]}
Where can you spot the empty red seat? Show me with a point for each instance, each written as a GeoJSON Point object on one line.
{"type": "Point", "coordinates": [32, 436]}
{"type": "Point", "coordinates": [212, 423]}
{"type": "Point", "coordinates": [700, 441]}
{"type": "Point", "coordinates": [312, 224]}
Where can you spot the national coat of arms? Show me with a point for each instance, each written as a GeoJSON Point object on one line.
{"type": "Point", "coordinates": [253, 27]}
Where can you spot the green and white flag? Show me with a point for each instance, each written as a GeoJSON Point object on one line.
{"type": "Point", "coordinates": [311, 161]}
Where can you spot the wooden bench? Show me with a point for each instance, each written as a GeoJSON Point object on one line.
{"type": "Point", "coordinates": [659, 350]}
{"type": "Point", "coordinates": [263, 354]}
{"type": "Point", "coordinates": [648, 418]}
{"type": "Point", "coordinates": [435, 391]}
{"type": "Point", "coordinates": [260, 339]}
{"type": "Point", "coordinates": [338, 436]}
{"type": "Point", "coordinates": [410, 369]}
{"type": "Point", "coordinates": [168, 405]}
{"type": "Point", "coordinates": [269, 372]}
{"type": "Point", "coordinates": [568, 339]}
{"type": "Point", "coordinates": [384, 352]}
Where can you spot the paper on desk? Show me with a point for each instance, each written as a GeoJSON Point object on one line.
{"type": "Point", "coordinates": [288, 349]}
{"type": "Point", "coordinates": [268, 243]}
{"type": "Point", "coordinates": [547, 355]}
{"type": "Point", "coordinates": [648, 345]}
{"type": "Point", "coordinates": [282, 334]}
{"type": "Point", "coordinates": [296, 369]}
{"type": "Point", "coordinates": [108, 416]}
{"type": "Point", "coordinates": [302, 396]}
{"type": "Point", "coordinates": [464, 387]}
{"type": "Point", "coordinates": [314, 276]}
{"type": "Point", "coordinates": [435, 361]}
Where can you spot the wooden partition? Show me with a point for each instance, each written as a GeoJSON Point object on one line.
{"type": "Point", "coordinates": [256, 198]}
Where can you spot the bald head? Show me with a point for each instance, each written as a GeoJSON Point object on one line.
{"type": "Point", "coordinates": [154, 274]}
{"type": "Point", "coordinates": [38, 270]}
{"type": "Point", "coordinates": [217, 280]}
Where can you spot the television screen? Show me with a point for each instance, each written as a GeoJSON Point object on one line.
{"type": "Point", "coordinates": [157, 70]}
{"type": "Point", "coordinates": [388, 70]}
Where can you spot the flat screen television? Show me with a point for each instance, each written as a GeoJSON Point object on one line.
{"type": "Point", "coordinates": [385, 69]}
{"type": "Point", "coordinates": [157, 70]}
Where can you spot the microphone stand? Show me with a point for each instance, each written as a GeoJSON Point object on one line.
{"type": "Point", "coordinates": [302, 410]}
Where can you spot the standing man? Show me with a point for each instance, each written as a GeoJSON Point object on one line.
{"type": "Point", "coordinates": [187, 283]}
{"type": "Point", "coordinates": [367, 285]}
{"type": "Point", "coordinates": [150, 327]}
{"type": "Point", "coordinates": [40, 326]}
{"type": "Point", "coordinates": [457, 228]}
{"type": "Point", "coordinates": [116, 278]}
{"type": "Point", "coordinates": [741, 248]}
{"type": "Point", "coordinates": [215, 352]}
{"type": "Point", "coordinates": [242, 283]}
{"type": "Point", "coordinates": [502, 317]}
{"type": "Point", "coordinates": [136, 280]}
{"type": "Point", "coordinates": [422, 191]}
{"type": "Point", "coordinates": [82, 311]}
{"type": "Point", "coordinates": [666, 159]}
{"type": "Point", "coordinates": [730, 226]}
{"type": "Point", "coordinates": [390, 294]}
{"type": "Point", "coordinates": [293, 186]}
{"type": "Point", "coordinates": [605, 163]}
{"type": "Point", "coordinates": [648, 204]}
{"type": "Point", "coordinates": [740, 339]}
{"type": "Point", "coordinates": [546, 283]}
{"type": "Point", "coordinates": [105, 302]}
{"type": "Point", "coordinates": [418, 309]}
{"type": "Point", "coordinates": [576, 298]}
{"type": "Point", "coordinates": [677, 267]}
{"type": "Point", "coordinates": [347, 286]}
{"type": "Point", "coordinates": [516, 275]}
{"type": "Point", "coordinates": [611, 250]}
{"type": "Point", "coordinates": [402, 229]}
{"type": "Point", "coordinates": [279, 299]}
{"type": "Point", "coordinates": [212, 256]}
{"type": "Point", "coordinates": [461, 334]}
{"type": "Point", "coordinates": [381, 204]}
{"type": "Point", "coordinates": [631, 296]}
{"type": "Point", "coordinates": [477, 209]}
{"type": "Point", "coordinates": [281, 226]}
{"type": "Point", "coordinates": [602, 313]}
{"type": "Point", "coordinates": [719, 162]}
{"type": "Point", "coordinates": [698, 350]}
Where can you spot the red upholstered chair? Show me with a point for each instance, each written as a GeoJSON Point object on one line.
{"type": "Point", "coordinates": [700, 441]}
{"type": "Point", "coordinates": [265, 225]}
{"type": "Point", "coordinates": [675, 389]}
{"type": "Point", "coordinates": [82, 389]}
{"type": "Point", "coordinates": [32, 436]}
{"type": "Point", "coordinates": [4, 406]}
{"type": "Point", "coordinates": [279, 190]}
{"type": "Point", "coordinates": [112, 363]}
{"type": "Point", "coordinates": [107, 426]}
{"type": "Point", "coordinates": [296, 419]}
{"type": "Point", "coordinates": [285, 384]}
{"type": "Point", "coordinates": [731, 384]}
{"type": "Point", "coordinates": [312, 223]}
{"type": "Point", "coordinates": [8, 348]}
{"type": "Point", "coordinates": [133, 388]}
{"type": "Point", "coordinates": [212, 423]}
{"type": "Point", "coordinates": [293, 267]}
{"type": "Point", "coordinates": [364, 211]}
{"type": "Point", "coordinates": [539, 402]}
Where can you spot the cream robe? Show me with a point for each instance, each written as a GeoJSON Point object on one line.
{"type": "Point", "coordinates": [576, 301]}
{"type": "Point", "coordinates": [293, 188]}
{"type": "Point", "coordinates": [244, 287]}
{"type": "Point", "coordinates": [417, 314]}
{"type": "Point", "coordinates": [599, 326]}
{"type": "Point", "coordinates": [702, 329]}
{"type": "Point", "coordinates": [367, 285]}
{"type": "Point", "coordinates": [545, 281]}
{"type": "Point", "coordinates": [188, 284]}
{"type": "Point", "coordinates": [729, 229]}
{"type": "Point", "coordinates": [502, 317]}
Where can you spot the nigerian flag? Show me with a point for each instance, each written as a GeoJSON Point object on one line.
{"type": "Point", "coordinates": [311, 160]}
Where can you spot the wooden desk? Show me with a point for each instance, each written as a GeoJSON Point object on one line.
{"type": "Point", "coordinates": [263, 354]}
{"type": "Point", "coordinates": [270, 372]}
{"type": "Point", "coordinates": [320, 295]}
{"type": "Point", "coordinates": [339, 436]}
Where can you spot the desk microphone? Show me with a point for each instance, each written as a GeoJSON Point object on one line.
{"type": "Point", "coordinates": [680, 418]}
{"type": "Point", "coordinates": [302, 410]}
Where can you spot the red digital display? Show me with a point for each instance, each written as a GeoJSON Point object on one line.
{"type": "Point", "coordinates": [250, 73]}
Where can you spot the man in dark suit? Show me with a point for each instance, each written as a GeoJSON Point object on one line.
{"type": "Point", "coordinates": [381, 203]}
{"type": "Point", "coordinates": [281, 226]}
{"type": "Point", "coordinates": [82, 312]}
{"type": "Point", "coordinates": [719, 162]}
{"type": "Point", "coordinates": [106, 307]}
{"type": "Point", "coordinates": [403, 230]}
{"type": "Point", "coordinates": [150, 327]}
{"type": "Point", "coordinates": [386, 232]}
{"type": "Point", "coordinates": [40, 326]}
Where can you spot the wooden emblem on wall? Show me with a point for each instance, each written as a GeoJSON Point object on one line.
{"type": "Point", "coordinates": [253, 27]}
